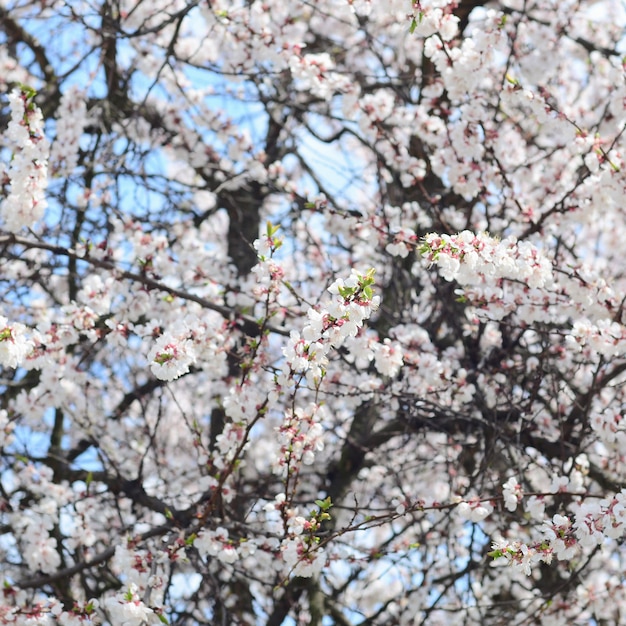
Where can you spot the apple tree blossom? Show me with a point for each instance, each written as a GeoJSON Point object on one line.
{"type": "Point", "coordinates": [312, 312]}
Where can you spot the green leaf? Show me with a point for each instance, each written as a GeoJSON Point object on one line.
{"type": "Point", "coordinates": [325, 504]}
{"type": "Point", "coordinates": [162, 358]}
{"type": "Point", "coordinates": [6, 333]}
{"type": "Point", "coordinates": [89, 608]}
{"type": "Point", "coordinates": [270, 229]}
{"type": "Point", "coordinates": [415, 21]}
{"type": "Point", "coordinates": [28, 91]}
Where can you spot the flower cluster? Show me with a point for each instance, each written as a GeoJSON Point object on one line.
{"type": "Point", "coordinates": [216, 543]}
{"type": "Point", "coordinates": [306, 353]}
{"type": "Point", "coordinates": [71, 120]}
{"type": "Point", "coordinates": [127, 608]}
{"type": "Point", "coordinates": [479, 259]}
{"type": "Point", "coordinates": [512, 493]}
{"type": "Point", "coordinates": [300, 437]}
{"type": "Point", "coordinates": [303, 561]}
{"type": "Point", "coordinates": [171, 356]}
{"type": "Point", "coordinates": [606, 337]}
{"type": "Point", "coordinates": [315, 72]}
{"type": "Point", "coordinates": [591, 523]}
{"type": "Point", "coordinates": [388, 358]}
{"type": "Point", "coordinates": [42, 553]}
{"type": "Point", "coordinates": [474, 509]}
{"type": "Point", "coordinates": [28, 171]}
{"type": "Point", "coordinates": [15, 345]}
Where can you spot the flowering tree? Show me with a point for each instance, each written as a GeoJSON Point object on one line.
{"type": "Point", "coordinates": [312, 312]}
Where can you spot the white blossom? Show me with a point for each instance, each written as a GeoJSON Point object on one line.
{"type": "Point", "coordinates": [28, 170]}
{"type": "Point", "coordinates": [171, 356]}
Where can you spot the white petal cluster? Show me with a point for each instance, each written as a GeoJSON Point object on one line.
{"type": "Point", "coordinates": [28, 170]}
{"type": "Point", "coordinates": [564, 536]}
{"type": "Point", "coordinates": [41, 549]}
{"type": "Point", "coordinates": [128, 609]}
{"type": "Point", "coordinates": [475, 259]}
{"type": "Point", "coordinates": [15, 345]}
{"type": "Point", "coordinates": [216, 543]}
{"type": "Point", "coordinates": [315, 72]}
{"type": "Point", "coordinates": [71, 120]}
{"type": "Point", "coordinates": [341, 317]}
{"type": "Point", "coordinates": [388, 358]}
{"type": "Point", "coordinates": [300, 436]}
{"type": "Point", "coordinates": [474, 509]}
{"type": "Point", "coordinates": [512, 493]}
{"type": "Point", "coordinates": [171, 356]}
